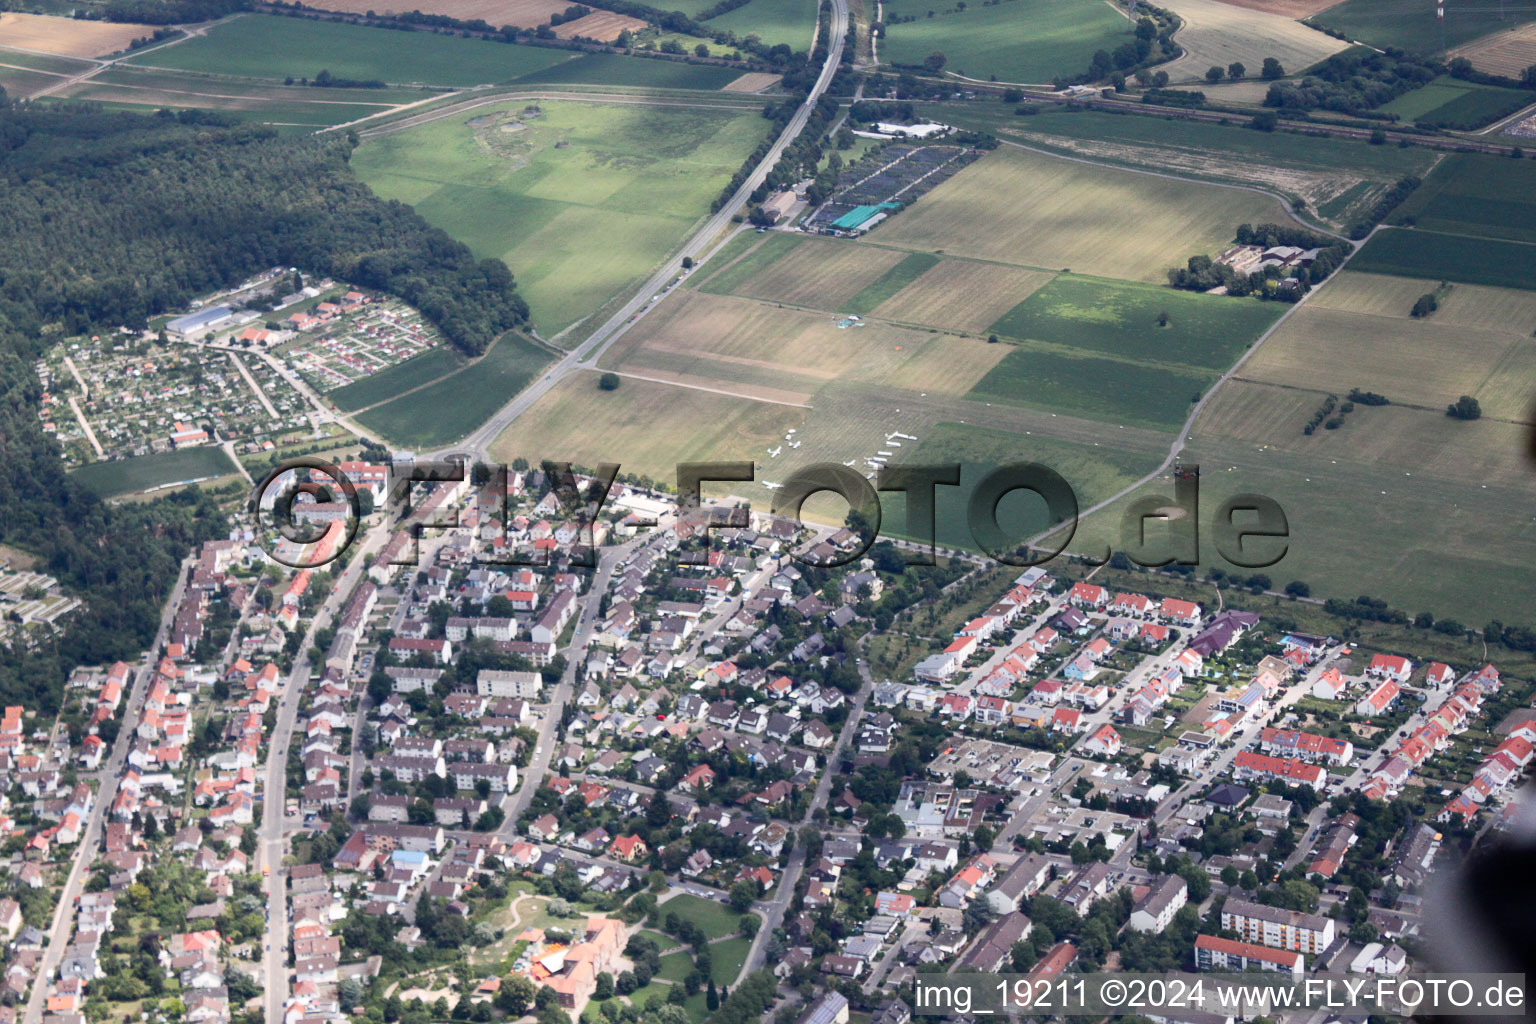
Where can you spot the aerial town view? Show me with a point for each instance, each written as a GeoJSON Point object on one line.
{"type": "Point", "coordinates": [807, 511]}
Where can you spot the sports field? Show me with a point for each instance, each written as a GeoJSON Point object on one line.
{"type": "Point", "coordinates": [1030, 41]}
{"type": "Point", "coordinates": [1502, 53]}
{"type": "Point", "coordinates": [127, 476]}
{"type": "Point", "coordinates": [1430, 254]}
{"type": "Point", "coordinates": [580, 199]}
{"type": "Point", "coordinates": [68, 37]}
{"type": "Point", "coordinates": [1411, 25]}
{"type": "Point", "coordinates": [1338, 178]}
{"type": "Point", "coordinates": [1219, 34]}
{"type": "Point", "coordinates": [961, 295]}
{"type": "Point", "coordinates": [790, 22]}
{"type": "Point", "coordinates": [1056, 218]}
{"type": "Point", "coordinates": [274, 47]}
{"type": "Point", "coordinates": [1477, 195]}
{"type": "Point", "coordinates": [1118, 319]}
{"type": "Point", "coordinates": [444, 411]}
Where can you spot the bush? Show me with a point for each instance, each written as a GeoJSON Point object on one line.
{"type": "Point", "coordinates": [609, 382]}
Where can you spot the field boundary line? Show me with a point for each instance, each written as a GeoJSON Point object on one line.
{"type": "Point", "coordinates": [702, 387]}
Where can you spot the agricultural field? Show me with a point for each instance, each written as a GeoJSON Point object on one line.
{"type": "Point", "coordinates": [961, 295]}
{"type": "Point", "coordinates": [23, 74]}
{"type": "Point", "coordinates": [911, 267]}
{"type": "Point", "coordinates": [1477, 195]}
{"type": "Point", "coordinates": [1337, 178]}
{"type": "Point", "coordinates": [452, 406]}
{"type": "Point", "coordinates": [644, 426]}
{"type": "Point", "coordinates": [752, 81]}
{"type": "Point", "coordinates": [821, 273]}
{"type": "Point", "coordinates": [1430, 254]}
{"type": "Point", "coordinates": [604, 26]}
{"type": "Point", "coordinates": [1057, 218]}
{"type": "Point", "coordinates": [1124, 320]}
{"type": "Point", "coordinates": [266, 46]}
{"type": "Point", "coordinates": [522, 13]}
{"type": "Point", "coordinates": [1217, 33]}
{"type": "Point", "coordinates": [790, 22]}
{"type": "Point", "coordinates": [20, 83]}
{"type": "Point", "coordinates": [1411, 25]}
{"type": "Point", "coordinates": [743, 258]}
{"type": "Point", "coordinates": [395, 381]}
{"type": "Point", "coordinates": [127, 476]}
{"type": "Point", "coordinates": [1452, 103]}
{"type": "Point", "coordinates": [68, 37]}
{"type": "Point", "coordinates": [579, 199]}
{"type": "Point", "coordinates": [644, 72]}
{"type": "Point", "coordinates": [1115, 391]}
{"type": "Point", "coordinates": [1028, 41]}
{"type": "Point", "coordinates": [1502, 53]}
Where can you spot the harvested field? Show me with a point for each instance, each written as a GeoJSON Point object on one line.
{"type": "Point", "coordinates": [646, 427]}
{"type": "Point", "coordinates": [962, 295]}
{"type": "Point", "coordinates": [1285, 8]}
{"type": "Point", "coordinates": [1418, 362]}
{"type": "Point", "coordinates": [68, 37]}
{"type": "Point", "coordinates": [820, 273]}
{"type": "Point", "coordinates": [522, 13]}
{"type": "Point", "coordinates": [1217, 33]}
{"type": "Point", "coordinates": [752, 81]}
{"type": "Point", "coordinates": [1465, 305]}
{"type": "Point", "coordinates": [1057, 219]}
{"type": "Point", "coordinates": [1503, 53]}
{"type": "Point", "coordinates": [604, 26]}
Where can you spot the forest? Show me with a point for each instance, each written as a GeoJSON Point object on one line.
{"type": "Point", "coordinates": [108, 219]}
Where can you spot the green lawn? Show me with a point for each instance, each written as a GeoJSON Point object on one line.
{"type": "Point", "coordinates": [1114, 390]}
{"type": "Point", "coordinates": [889, 283]}
{"type": "Point", "coordinates": [386, 384]}
{"type": "Point", "coordinates": [663, 941]}
{"type": "Point", "coordinates": [1435, 256]}
{"type": "Point", "coordinates": [1411, 25]}
{"type": "Point", "coordinates": [1121, 319]}
{"type": "Point", "coordinates": [275, 47]}
{"type": "Point", "coordinates": [675, 967]}
{"type": "Point", "coordinates": [582, 200]}
{"type": "Point", "coordinates": [715, 919]}
{"type": "Point", "coordinates": [726, 958]}
{"type": "Point", "coordinates": [126, 476]}
{"type": "Point", "coordinates": [616, 69]}
{"type": "Point", "coordinates": [443, 412]}
{"type": "Point", "coordinates": [1016, 40]}
{"type": "Point", "coordinates": [1470, 194]}
{"type": "Point", "coordinates": [790, 22]}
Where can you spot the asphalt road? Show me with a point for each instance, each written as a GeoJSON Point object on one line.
{"type": "Point", "coordinates": [586, 354]}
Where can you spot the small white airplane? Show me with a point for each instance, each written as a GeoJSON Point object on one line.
{"type": "Point", "coordinates": [771, 485]}
{"type": "Point", "coordinates": [850, 462]}
{"type": "Point", "coordinates": [794, 444]}
{"type": "Point", "coordinates": [894, 444]}
{"type": "Point", "coordinates": [793, 430]}
{"type": "Point", "coordinates": [773, 453]}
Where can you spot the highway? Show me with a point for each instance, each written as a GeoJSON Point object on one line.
{"type": "Point", "coordinates": [585, 355]}
{"type": "Point", "coordinates": [106, 792]}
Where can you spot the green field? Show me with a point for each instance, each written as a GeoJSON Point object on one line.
{"type": "Point", "coordinates": [726, 959]}
{"type": "Point", "coordinates": [790, 22]}
{"type": "Point", "coordinates": [675, 967]}
{"type": "Point", "coordinates": [1452, 103]}
{"type": "Point", "coordinates": [892, 281]}
{"type": "Point", "coordinates": [615, 69]}
{"type": "Point", "coordinates": [445, 411]}
{"type": "Point", "coordinates": [1120, 319]}
{"type": "Point", "coordinates": [1112, 390]}
{"type": "Point", "coordinates": [126, 476]}
{"type": "Point", "coordinates": [1477, 195]}
{"type": "Point", "coordinates": [19, 82]}
{"type": "Point", "coordinates": [581, 201]}
{"type": "Point", "coordinates": [44, 61]}
{"type": "Point", "coordinates": [1015, 40]}
{"type": "Point", "coordinates": [275, 47]}
{"type": "Point", "coordinates": [386, 384]}
{"type": "Point", "coordinates": [1411, 25]}
{"type": "Point", "coordinates": [1093, 472]}
{"type": "Point", "coordinates": [715, 919]}
{"type": "Point", "coordinates": [1444, 257]}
